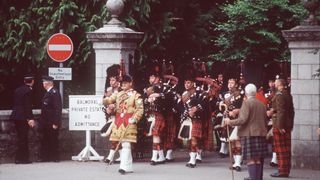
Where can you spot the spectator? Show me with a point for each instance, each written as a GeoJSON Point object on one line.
{"type": "Point", "coordinates": [282, 113]}
{"type": "Point", "coordinates": [252, 132]}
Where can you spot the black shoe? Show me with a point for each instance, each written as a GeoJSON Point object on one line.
{"type": "Point", "coordinates": [221, 155]}
{"type": "Point", "coordinates": [191, 165]}
{"type": "Point", "coordinates": [247, 178]}
{"type": "Point", "coordinates": [237, 168]}
{"type": "Point", "coordinates": [169, 160]}
{"type": "Point", "coordinates": [42, 160]}
{"type": "Point", "coordinates": [121, 171]}
{"type": "Point", "coordinates": [198, 161]}
{"type": "Point", "coordinates": [272, 164]}
{"type": "Point", "coordinates": [277, 175]}
{"type": "Point", "coordinates": [22, 162]}
{"type": "Point", "coordinates": [56, 160]}
{"type": "Point", "coordinates": [106, 161]}
{"type": "Point", "coordinates": [160, 162]}
{"type": "Point", "coordinates": [153, 163]}
{"type": "Point", "coordinates": [116, 162]}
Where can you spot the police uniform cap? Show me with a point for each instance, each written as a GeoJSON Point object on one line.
{"type": "Point", "coordinates": [47, 78]}
{"type": "Point", "coordinates": [29, 77]}
{"type": "Point", "coordinates": [126, 78]}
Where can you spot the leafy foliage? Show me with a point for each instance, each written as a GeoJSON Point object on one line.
{"type": "Point", "coordinates": [173, 29]}
{"type": "Point", "coordinates": [252, 29]}
{"type": "Point", "coordinates": [27, 30]}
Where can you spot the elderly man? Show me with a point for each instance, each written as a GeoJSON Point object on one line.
{"type": "Point", "coordinates": [129, 110]}
{"type": "Point", "coordinates": [252, 132]}
{"type": "Point", "coordinates": [50, 121]}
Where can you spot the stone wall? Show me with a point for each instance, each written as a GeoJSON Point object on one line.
{"type": "Point", "coordinates": [71, 142]}
{"type": "Point", "coordinates": [305, 59]}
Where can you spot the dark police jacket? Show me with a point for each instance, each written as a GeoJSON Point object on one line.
{"type": "Point", "coordinates": [51, 109]}
{"type": "Point", "coordinates": [22, 107]}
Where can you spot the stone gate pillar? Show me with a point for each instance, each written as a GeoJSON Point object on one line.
{"type": "Point", "coordinates": [112, 43]}
{"type": "Point", "coordinates": [304, 45]}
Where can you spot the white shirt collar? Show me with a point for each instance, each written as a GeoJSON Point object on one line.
{"type": "Point", "coordinates": [49, 88]}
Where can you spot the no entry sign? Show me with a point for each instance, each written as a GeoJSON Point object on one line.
{"type": "Point", "coordinates": [59, 47]}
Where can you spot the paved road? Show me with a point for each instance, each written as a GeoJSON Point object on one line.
{"type": "Point", "coordinates": [211, 168]}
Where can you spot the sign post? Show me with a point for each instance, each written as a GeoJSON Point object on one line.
{"type": "Point", "coordinates": [85, 113]}
{"type": "Point", "coordinates": [61, 74]}
{"type": "Point", "coordinates": [59, 49]}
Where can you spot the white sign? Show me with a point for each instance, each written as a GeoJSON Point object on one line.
{"type": "Point", "coordinates": [62, 74]}
{"type": "Point", "coordinates": [85, 112]}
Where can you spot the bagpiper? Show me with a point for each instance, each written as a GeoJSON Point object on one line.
{"type": "Point", "coordinates": [112, 86]}
{"type": "Point", "coordinates": [232, 101]}
{"type": "Point", "coordinates": [171, 98]}
{"type": "Point", "coordinates": [194, 113]}
{"type": "Point", "coordinates": [154, 100]}
{"type": "Point", "coordinates": [269, 94]}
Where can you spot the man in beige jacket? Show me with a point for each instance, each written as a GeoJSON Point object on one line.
{"type": "Point", "coordinates": [252, 130]}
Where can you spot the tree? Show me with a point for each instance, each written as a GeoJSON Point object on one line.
{"type": "Point", "coordinates": [252, 30]}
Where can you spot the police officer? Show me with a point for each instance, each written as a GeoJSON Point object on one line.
{"type": "Point", "coordinates": [23, 118]}
{"type": "Point", "coordinates": [50, 121]}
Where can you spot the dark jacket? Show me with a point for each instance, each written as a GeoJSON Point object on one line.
{"type": "Point", "coordinates": [51, 109]}
{"type": "Point", "coordinates": [283, 111]}
{"type": "Point", "coordinates": [22, 107]}
{"type": "Point", "coordinates": [252, 118]}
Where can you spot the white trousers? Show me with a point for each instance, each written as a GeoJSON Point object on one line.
{"type": "Point", "coordinates": [126, 157]}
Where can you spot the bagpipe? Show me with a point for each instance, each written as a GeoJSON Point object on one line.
{"type": "Point", "coordinates": [222, 130]}
{"type": "Point", "coordinates": [163, 104]}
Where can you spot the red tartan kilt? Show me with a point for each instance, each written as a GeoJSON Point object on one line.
{"type": "Point", "coordinates": [207, 134]}
{"type": "Point", "coordinates": [170, 132]}
{"type": "Point", "coordinates": [159, 124]}
{"type": "Point", "coordinates": [196, 129]}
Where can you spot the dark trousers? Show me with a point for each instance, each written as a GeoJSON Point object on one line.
{"type": "Point", "coordinates": [22, 153]}
{"type": "Point", "coordinates": [50, 144]}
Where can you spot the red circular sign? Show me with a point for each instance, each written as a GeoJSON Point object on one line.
{"type": "Point", "coordinates": [59, 47]}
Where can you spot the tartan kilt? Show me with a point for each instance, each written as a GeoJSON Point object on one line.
{"type": "Point", "coordinates": [159, 125]}
{"type": "Point", "coordinates": [254, 147]}
{"type": "Point", "coordinates": [196, 128]}
{"type": "Point", "coordinates": [208, 135]}
{"type": "Point", "coordinates": [170, 132]}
